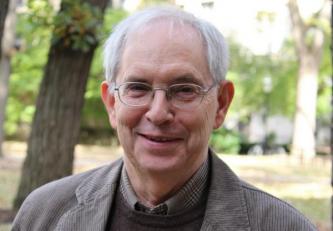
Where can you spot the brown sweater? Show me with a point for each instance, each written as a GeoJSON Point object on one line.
{"type": "Point", "coordinates": [123, 218]}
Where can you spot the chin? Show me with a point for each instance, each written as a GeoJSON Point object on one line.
{"type": "Point", "coordinates": [161, 164]}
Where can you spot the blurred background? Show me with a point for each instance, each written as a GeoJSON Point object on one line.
{"type": "Point", "coordinates": [277, 132]}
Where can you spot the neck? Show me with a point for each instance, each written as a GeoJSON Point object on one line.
{"type": "Point", "coordinates": [153, 188]}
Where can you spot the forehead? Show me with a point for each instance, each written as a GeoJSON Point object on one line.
{"type": "Point", "coordinates": [169, 28]}
{"type": "Point", "coordinates": [164, 46]}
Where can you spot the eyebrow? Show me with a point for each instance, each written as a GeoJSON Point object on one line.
{"type": "Point", "coordinates": [184, 78]}
{"type": "Point", "coordinates": [187, 78]}
{"type": "Point", "coordinates": [133, 78]}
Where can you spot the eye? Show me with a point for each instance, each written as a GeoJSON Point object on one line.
{"type": "Point", "coordinates": [185, 91]}
{"type": "Point", "coordinates": [135, 89]}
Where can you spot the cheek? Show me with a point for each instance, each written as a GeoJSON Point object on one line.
{"type": "Point", "coordinates": [207, 124]}
{"type": "Point", "coordinates": [199, 125]}
{"type": "Point", "coordinates": [127, 117]}
{"type": "Point", "coordinates": [127, 120]}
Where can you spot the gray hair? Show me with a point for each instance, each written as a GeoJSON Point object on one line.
{"type": "Point", "coordinates": [214, 43]}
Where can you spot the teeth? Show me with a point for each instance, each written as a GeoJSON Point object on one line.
{"type": "Point", "coordinates": [159, 139]}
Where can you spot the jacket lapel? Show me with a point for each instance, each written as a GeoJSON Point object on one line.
{"type": "Point", "coordinates": [226, 205]}
{"type": "Point", "coordinates": [225, 210]}
{"type": "Point", "coordinates": [95, 197]}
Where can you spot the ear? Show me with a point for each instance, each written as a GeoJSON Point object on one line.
{"type": "Point", "coordinates": [225, 95]}
{"type": "Point", "coordinates": [109, 103]}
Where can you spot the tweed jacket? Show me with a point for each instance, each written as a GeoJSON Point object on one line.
{"type": "Point", "coordinates": [83, 201]}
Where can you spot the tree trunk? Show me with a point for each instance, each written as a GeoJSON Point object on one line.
{"type": "Point", "coordinates": [3, 82]}
{"type": "Point", "coordinates": [3, 14]}
{"type": "Point", "coordinates": [309, 56]}
{"type": "Point", "coordinates": [303, 143]}
{"type": "Point", "coordinates": [332, 113]}
{"type": "Point", "coordinates": [56, 123]}
{"type": "Point", "coordinates": [8, 40]}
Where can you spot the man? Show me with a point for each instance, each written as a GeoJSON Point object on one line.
{"type": "Point", "coordinates": [165, 92]}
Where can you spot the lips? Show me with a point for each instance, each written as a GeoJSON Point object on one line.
{"type": "Point", "coordinates": [160, 139]}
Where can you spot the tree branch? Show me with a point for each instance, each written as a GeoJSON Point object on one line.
{"type": "Point", "coordinates": [298, 26]}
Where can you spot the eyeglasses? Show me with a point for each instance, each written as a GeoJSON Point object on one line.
{"type": "Point", "coordinates": [183, 96]}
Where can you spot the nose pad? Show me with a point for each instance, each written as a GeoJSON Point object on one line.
{"type": "Point", "coordinates": [159, 111]}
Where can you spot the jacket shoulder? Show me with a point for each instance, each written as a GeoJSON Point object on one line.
{"type": "Point", "coordinates": [45, 205]}
{"type": "Point", "coordinates": [267, 212]}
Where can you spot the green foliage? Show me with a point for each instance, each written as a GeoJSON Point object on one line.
{"type": "Point", "coordinates": [266, 16]}
{"type": "Point", "coordinates": [225, 141]}
{"type": "Point", "coordinates": [320, 23]}
{"type": "Point", "coordinates": [34, 28]}
{"type": "Point", "coordinates": [324, 108]}
{"type": "Point", "coordinates": [76, 25]}
{"type": "Point", "coordinates": [93, 114]}
{"type": "Point", "coordinates": [248, 72]}
{"type": "Point", "coordinates": [146, 3]}
{"type": "Point", "coordinates": [40, 13]}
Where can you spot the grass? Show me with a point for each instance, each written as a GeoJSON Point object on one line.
{"type": "Point", "coordinates": [9, 180]}
{"type": "Point", "coordinates": [5, 227]}
{"type": "Point", "coordinates": [305, 185]}
{"type": "Point", "coordinates": [318, 210]}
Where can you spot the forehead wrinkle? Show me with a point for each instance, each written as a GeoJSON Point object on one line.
{"type": "Point", "coordinates": [178, 74]}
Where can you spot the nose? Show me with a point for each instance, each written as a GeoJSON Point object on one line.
{"type": "Point", "coordinates": [159, 111]}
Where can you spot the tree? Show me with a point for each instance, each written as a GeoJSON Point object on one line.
{"type": "Point", "coordinates": [3, 85]}
{"type": "Point", "coordinates": [56, 121]}
{"type": "Point", "coordinates": [3, 14]}
{"type": "Point", "coordinates": [331, 144]}
{"type": "Point", "coordinates": [33, 33]}
{"type": "Point", "coordinates": [7, 51]}
{"type": "Point", "coordinates": [309, 41]}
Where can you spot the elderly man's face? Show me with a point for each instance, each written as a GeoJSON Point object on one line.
{"type": "Point", "coordinates": [159, 137]}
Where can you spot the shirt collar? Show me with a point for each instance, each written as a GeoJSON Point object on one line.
{"type": "Point", "coordinates": [187, 197]}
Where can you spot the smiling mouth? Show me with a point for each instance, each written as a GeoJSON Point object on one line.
{"type": "Point", "coordinates": [160, 139]}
